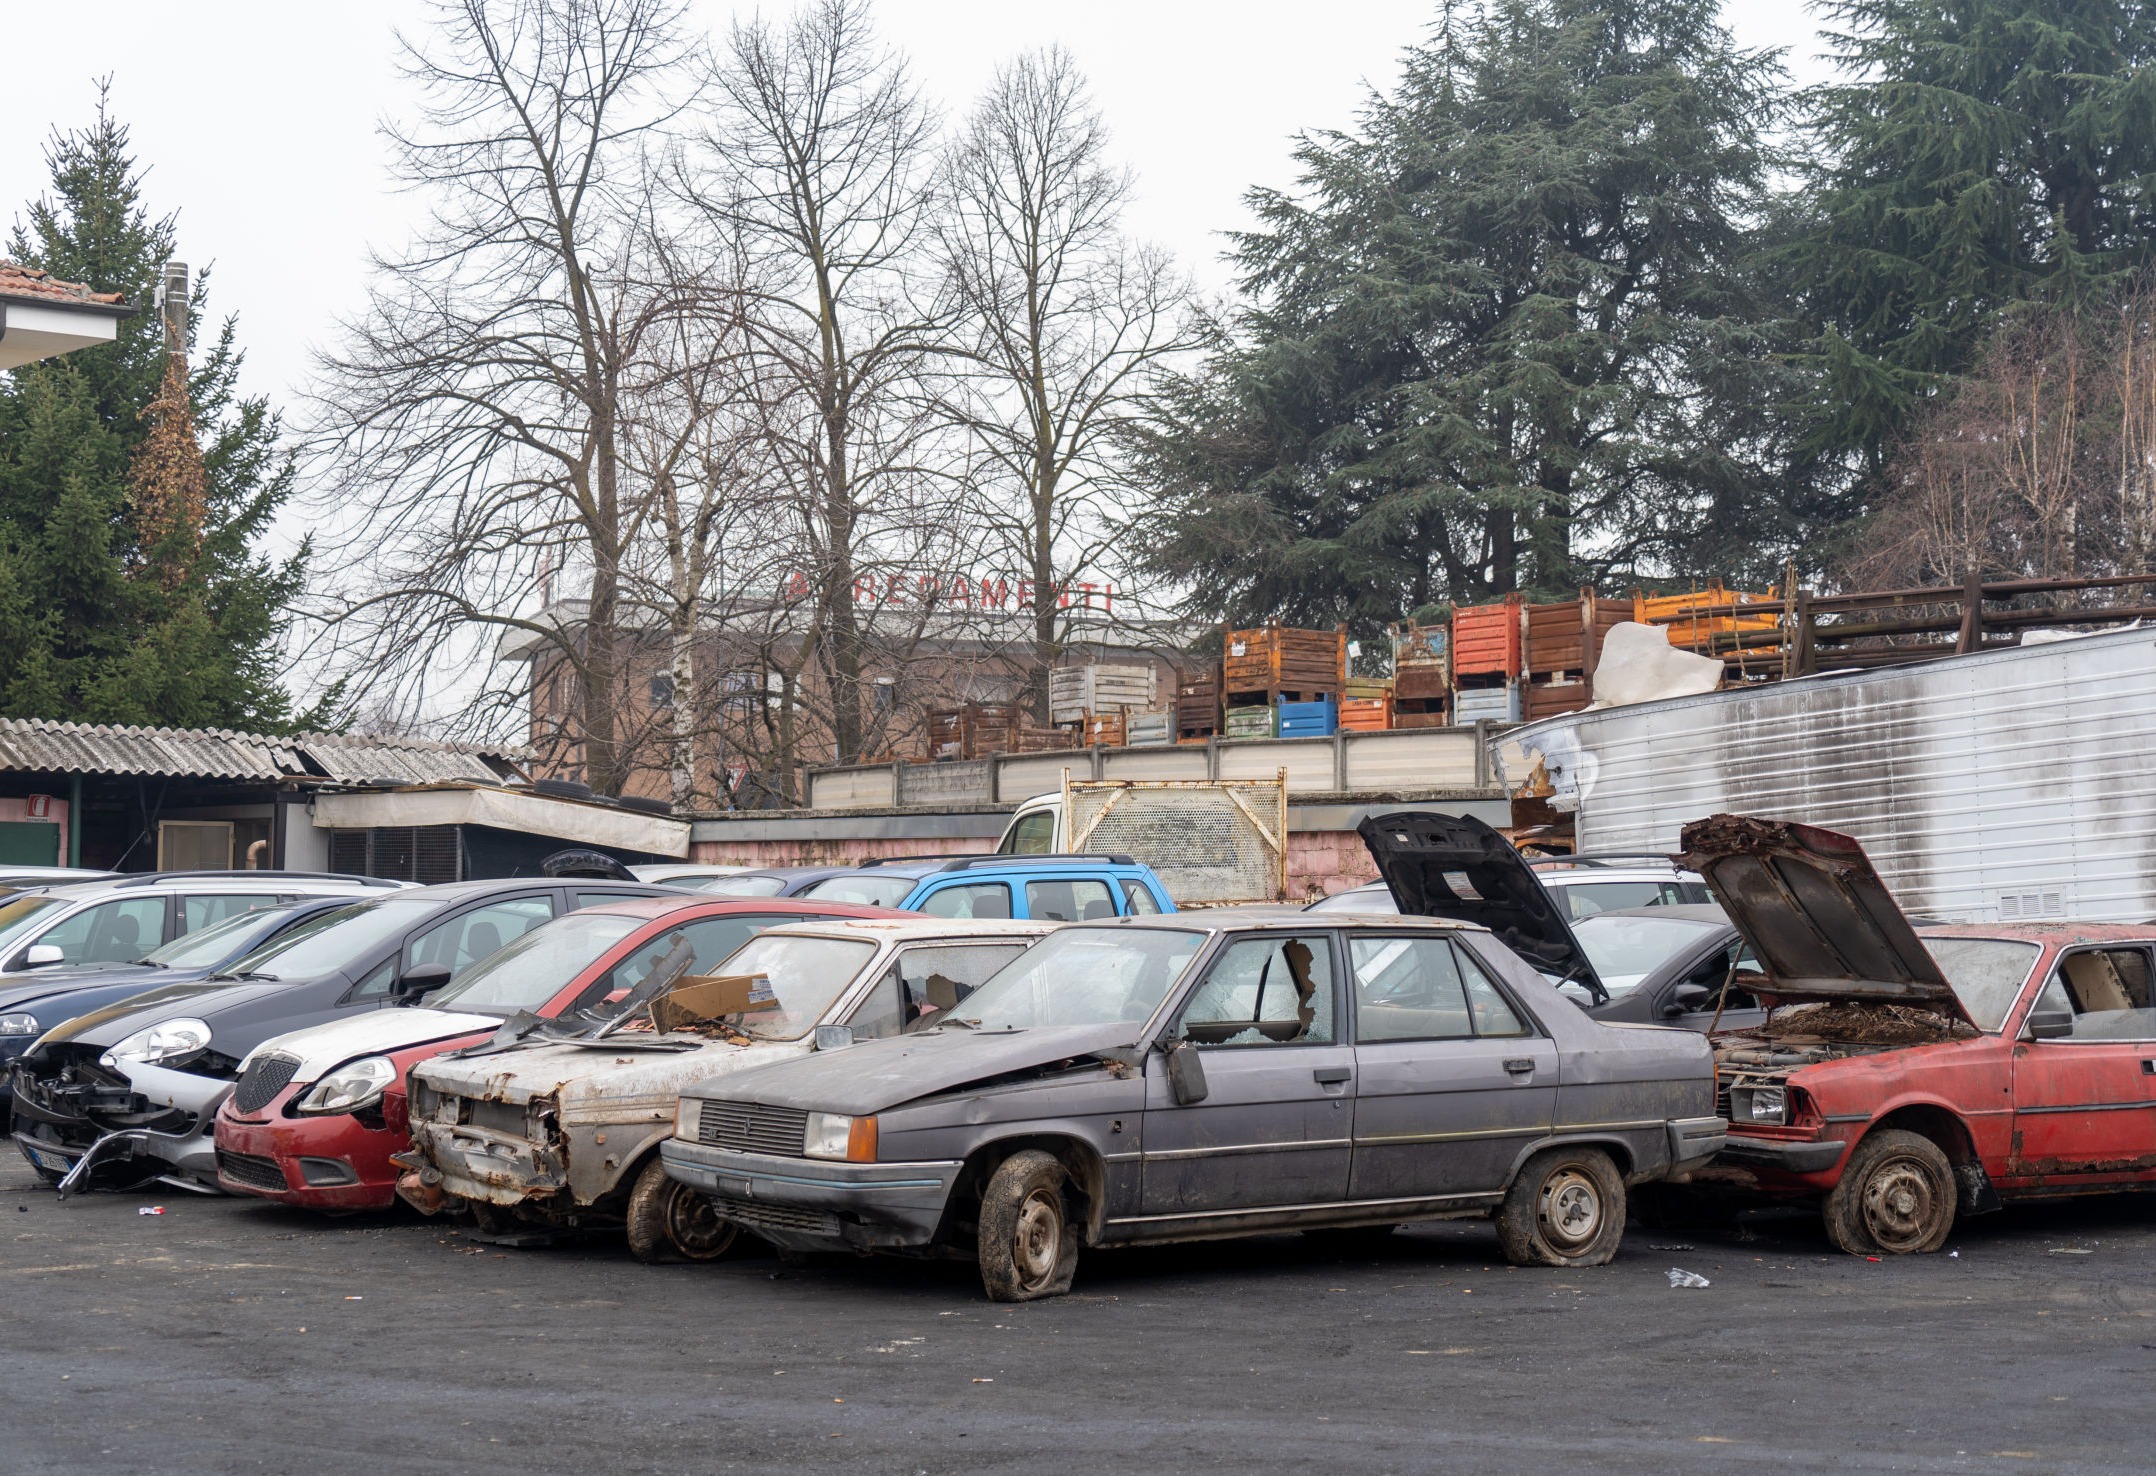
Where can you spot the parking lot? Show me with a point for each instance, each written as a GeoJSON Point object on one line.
{"type": "Point", "coordinates": [226, 1335]}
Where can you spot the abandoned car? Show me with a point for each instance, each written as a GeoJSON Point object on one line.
{"type": "Point", "coordinates": [564, 1131]}
{"type": "Point", "coordinates": [1909, 1073]}
{"type": "Point", "coordinates": [129, 1094]}
{"type": "Point", "coordinates": [1209, 1075]}
{"type": "Point", "coordinates": [317, 1113]}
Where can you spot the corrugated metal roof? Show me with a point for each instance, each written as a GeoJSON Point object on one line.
{"type": "Point", "coordinates": [38, 746]}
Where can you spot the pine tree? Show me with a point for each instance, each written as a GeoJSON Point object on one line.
{"type": "Point", "coordinates": [134, 494]}
{"type": "Point", "coordinates": [1975, 155]}
{"type": "Point", "coordinates": [1503, 337]}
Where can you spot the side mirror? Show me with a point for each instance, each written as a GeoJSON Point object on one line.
{"type": "Point", "coordinates": [833, 1037]}
{"type": "Point", "coordinates": [43, 956]}
{"type": "Point", "coordinates": [1186, 1073]}
{"type": "Point", "coordinates": [1686, 998]}
{"type": "Point", "coordinates": [418, 980]}
{"type": "Point", "coordinates": [2050, 1024]}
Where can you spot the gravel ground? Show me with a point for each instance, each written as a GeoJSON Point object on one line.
{"type": "Point", "coordinates": [229, 1335]}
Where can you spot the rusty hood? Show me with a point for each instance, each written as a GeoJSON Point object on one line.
{"type": "Point", "coordinates": [1455, 866]}
{"type": "Point", "coordinates": [877, 1075]}
{"type": "Point", "coordinates": [1819, 919]}
{"type": "Point", "coordinates": [591, 1081]}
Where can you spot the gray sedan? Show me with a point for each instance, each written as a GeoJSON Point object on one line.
{"type": "Point", "coordinates": [1192, 1078]}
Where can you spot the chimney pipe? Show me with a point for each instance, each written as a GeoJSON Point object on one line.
{"type": "Point", "coordinates": [172, 301]}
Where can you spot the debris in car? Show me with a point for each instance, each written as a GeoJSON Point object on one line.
{"type": "Point", "coordinates": [1865, 1024]}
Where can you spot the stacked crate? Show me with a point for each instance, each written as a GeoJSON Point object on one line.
{"type": "Point", "coordinates": [1315, 719]}
{"type": "Point", "coordinates": [1104, 729]}
{"type": "Point", "coordinates": [1197, 707]}
{"type": "Point", "coordinates": [1076, 693]}
{"type": "Point", "coordinates": [1272, 663]}
{"type": "Point", "coordinates": [1046, 740]}
{"type": "Point", "coordinates": [1253, 720]}
{"type": "Point", "coordinates": [1563, 642]}
{"type": "Point", "coordinates": [1486, 662]}
{"type": "Point", "coordinates": [1154, 729]}
{"type": "Point", "coordinates": [973, 730]}
{"type": "Point", "coordinates": [1717, 621]}
{"type": "Point", "coordinates": [1421, 675]}
{"type": "Point", "coordinates": [1366, 704]}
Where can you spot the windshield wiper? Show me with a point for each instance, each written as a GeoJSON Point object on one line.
{"type": "Point", "coordinates": [250, 974]}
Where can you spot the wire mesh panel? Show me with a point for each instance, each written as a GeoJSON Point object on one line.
{"type": "Point", "coordinates": [1212, 842]}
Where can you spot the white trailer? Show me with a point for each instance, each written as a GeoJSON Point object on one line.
{"type": "Point", "coordinates": [2007, 786]}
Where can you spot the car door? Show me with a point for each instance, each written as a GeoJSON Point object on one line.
{"type": "Point", "coordinates": [1451, 1075]}
{"type": "Point", "coordinates": [455, 942]}
{"type": "Point", "coordinates": [2084, 1110]}
{"type": "Point", "coordinates": [1720, 968]}
{"type": "Point", "coordinates": [1276, 1122]}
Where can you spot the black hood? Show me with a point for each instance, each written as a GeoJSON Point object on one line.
{"type": "Point", "coordinates": [202, 1000]}
{"type": "Point", "coordinates": [22, 990]}
{"type": "Point", "coordinates": [1455, 866]}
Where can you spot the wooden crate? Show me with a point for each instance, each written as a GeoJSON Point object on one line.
{"type": "Point", "coordinates": [974, 730]}
{"type": "Point", "coordinates": [1421, 680]}
{"type": "Point", "coordinates": [1197, 706]}
{"type": "Point", "coordinates": [1486, 640]}
{"type": "Point", "coordinates": [1279, 660]}
{"type": "Point", "coordinates": [1045, 740]}
{"type": "Point", "coordinates": [1076, 692]}
{"type": "Point", "coordinates": [1421, 720]}
{"type": "Point", "coordinates": [1105, 729]}
{"type": "Point", "coordinates": [1365, 687]}
{"type": "Point", "coordinates": [1366, 714]}
{"type": "Point", "coordinates": [1414, 644]}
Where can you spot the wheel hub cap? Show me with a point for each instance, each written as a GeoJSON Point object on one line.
{"type": "Point", "coordinates": [1571, 1208]}
{"type": "Point", "coordinates": [1038, 1238]}
{"type": "Point", "coordinates": [1900, 1203]}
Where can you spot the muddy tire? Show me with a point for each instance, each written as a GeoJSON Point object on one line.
{"type": "Point", "coordinates": [1028, 1244]}
{"type": "Point", "coordinates": [669, 1221]}
{"type": "Point", "coordinates": [1897, 1196]}
{"type": "Point", "coordinates": [1566, 1208]}
{"type": "Point", "coordinates": [489, 1219]}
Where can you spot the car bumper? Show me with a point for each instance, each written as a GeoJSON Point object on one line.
{"type": "Point", "coordinates": [323, 1163]}
{"type": "Point", "coordinates": [178, 1110]}
{"type": "Point", "coordinates": [495, 1168]}
{"type": "Point", "coordinates": [1694, 1141]}
{"type": "Point", "coordinates": [1782, 1156]}
{"type": "Point", "coordinates": [813, 1204]}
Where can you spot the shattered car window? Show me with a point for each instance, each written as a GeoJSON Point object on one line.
{"type": "Point", "coordinates": [1267, 990]}
{"type": "Point", "coordinates": [1085, 976]}
{"type": "Point", "coordinates": [807, 974]}
{"type": "Point", "coordinates": [534, 968]}
{"type": "Point", "coordinates": [1987, 974]}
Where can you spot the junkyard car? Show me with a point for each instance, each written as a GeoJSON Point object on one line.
{"type": "Point", "coordinates": [566, 1134]}
{"type": "Point", "coordinates": [1587, 885]}
{"type": "Point", "coordinates": [1210, 1075]}
{"type": "Point", "coordinates": [317, 1113]}
{"type": "Point", "coordinates": [1910, 1073]}
{"type": "Point", "coordinates": [129, 1094]}
{"type": "Point", "coordinates": [1667, 965]}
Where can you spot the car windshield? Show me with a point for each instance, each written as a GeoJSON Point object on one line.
{"type": "Point", "coordinates": [1589, 899]}
{"type": "Point", "coordinates": [22, 914]}
{"type": "Point", "coordinates": [1624, 949]}
{"type": "Point", "coordinates": [206, 947]}
{"type": "Point", "coordinates": [334, 940]}
{"type": "Point", "coordinates": [734, 886]}
{"type": "Point", "coordinates": [531, 969]}
{"type": "Point", "coordinates": [1987, 974]}
{"type": "Point", "coordinates": [869, 891]}
{"type": "Point", "coordinates": [807, 975]}
{"type": "Point", "coordinates": [1085, 976]}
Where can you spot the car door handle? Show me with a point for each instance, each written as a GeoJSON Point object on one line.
{"type": "Point", "coordinates": [1519, 1065]}
{"type": "Point", "coordinates": [1330, 1074]}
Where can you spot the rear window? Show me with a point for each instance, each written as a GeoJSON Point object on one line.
{"type": "Point", "coordinates": [868, 891]}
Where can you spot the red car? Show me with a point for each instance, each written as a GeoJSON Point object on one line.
{"type": "Point", "coordinates": [1910, 1073]}
{"type": "Point", "coordinates": [316, 1113]}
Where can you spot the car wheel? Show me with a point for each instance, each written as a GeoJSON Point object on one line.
{"type": "Point", "coordinates": [669, 1221]}
{"type": "Point", "coordinates": [1565, 1208]}
{"type": "Point", "coordinates": [1028, 1245]}
{"type": "Point", "coordinates": [1896, 1197]}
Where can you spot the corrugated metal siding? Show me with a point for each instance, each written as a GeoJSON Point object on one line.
{"type": "Point", "coordinates": [29, 745]}
{"type": "Point", "coordinates": [1977, 784]}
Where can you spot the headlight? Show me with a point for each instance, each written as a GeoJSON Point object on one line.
{"type": "Point", "coordinates": [166, 1042]}
{"type": "Point", "coordinates": [834, 1135]}
{"type": "Point", "coordinates": [1759, 1104]}
{"type": "Point", "coordinates": [354, 1085]}
{"type": "Point", "coordinates": [18, 1024]}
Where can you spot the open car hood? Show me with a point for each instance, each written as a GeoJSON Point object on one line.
{"type": "Point", "coordinates": [1455, 866]}
{"type": "Point", "coordinates": [1819, 919]}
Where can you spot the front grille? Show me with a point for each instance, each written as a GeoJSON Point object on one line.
{"type": "Point", "coordinates": [1721, 1098]}
{"type": "Point", "coordinates": [255, 1173]}
{"type": "Point", "coordinates": [751, 1127]}
{"type": "Point", "coordinates": [267, 1074]}
{"type": "Point", "coordinates": [756, 1215]}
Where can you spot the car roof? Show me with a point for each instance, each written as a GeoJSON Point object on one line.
{"type": "Point", "coordinates": [2064, 932]}
{"type": "Point", "coordinates": [704, 904]}
{"type": "Point", "coordinates": [910, 927]}
{"type": "Point", "coordinates": [1699, 912]}
{"type": "Point", "coordinates": [298, 883]}
{"type": "Point", "coordinates": [988, 863]}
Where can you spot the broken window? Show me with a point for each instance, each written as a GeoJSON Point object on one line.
{"type": "Point", "coordinates": [1266, 990]}
{"type": "Point", "coordinates": [2109, 990]}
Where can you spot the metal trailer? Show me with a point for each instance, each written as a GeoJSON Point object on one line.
{"type": "Point", "coordinates": [2008, 786]}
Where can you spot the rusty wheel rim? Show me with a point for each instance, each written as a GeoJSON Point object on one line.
{"type": "Point", "coordinates": [694, 1226]}
{"type": "Point", "coordinates": [1571, 1209]}
{"type": "Point", "coordinates": [1901, 1203]}
{"type": "Point", "coordinates": [1037, 1238]}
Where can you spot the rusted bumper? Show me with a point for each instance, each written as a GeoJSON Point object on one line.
{"type": "Point", "coordinates": [488, 1166]}
{"type": "Point", "coordinates": [814, 1204]}
{"type": "Point", "coordinates": [1791, 1156]}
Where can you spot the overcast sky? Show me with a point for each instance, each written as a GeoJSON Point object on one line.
{"type": "Point", "coordinates": [256, 119]}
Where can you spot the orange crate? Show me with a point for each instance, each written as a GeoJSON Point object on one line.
{"type": "Point", "coordinates": [1365, 714]}
{"type": "Point", "coordinates": [1277, 659]}
{"type": "Point", "coordinates": [1104, 728]}
{"type": "Point", "coordinates": [1486, 639]}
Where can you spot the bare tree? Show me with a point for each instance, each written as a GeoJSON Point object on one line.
{"type": "Point", "coordinates": [1064, 321]}
{"type": "Point", "coordinates": [817, 162]}
{"type": "Point", "coordinates": [478, 416]}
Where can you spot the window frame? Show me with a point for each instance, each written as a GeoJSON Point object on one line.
{"type": "Point", "coordinates": [1202, 973]}
{"type": "Point", "coordinates": [1535, 1030]}
{"type": "Point", "coordinates": [2055, 977]}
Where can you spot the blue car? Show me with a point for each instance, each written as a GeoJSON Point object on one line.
{"type": "Point", "coordinates": [32, 1003]}
{"type": "Point", "coordinates": [1066, 888]}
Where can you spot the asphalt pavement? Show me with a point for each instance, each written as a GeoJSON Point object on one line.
{"type": "Point", "coordinates": [230, 1335]}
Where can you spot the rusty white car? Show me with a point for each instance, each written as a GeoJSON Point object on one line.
{"type": "Point", "coordinates": [545, 1131]}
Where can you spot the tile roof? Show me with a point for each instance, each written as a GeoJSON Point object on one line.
{"type": "Point", "coordinates": [37, 746]}
{"type": "Point", "coordinates": [17, 280]}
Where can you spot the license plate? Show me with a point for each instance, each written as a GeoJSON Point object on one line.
{"type": "Point", "coordinates": [52, 1161]}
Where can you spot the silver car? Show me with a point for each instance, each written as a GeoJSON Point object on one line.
{"type": "Point", "coordinates": [1201, 1076]}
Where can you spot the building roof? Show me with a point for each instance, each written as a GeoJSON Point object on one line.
{"type": "Point", "coordinates": [17, 280]}
{"type": "Point", "coordinates": [30, 745]}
